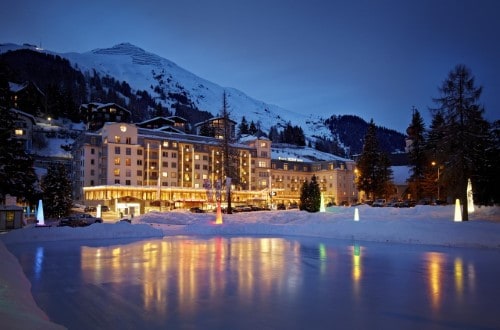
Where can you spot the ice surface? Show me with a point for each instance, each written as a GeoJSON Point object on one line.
{"type": "Point", "coordinates": [423, 225]}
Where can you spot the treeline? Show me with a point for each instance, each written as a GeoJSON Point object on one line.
{"type": "Point", "coordinates": [351, 130]}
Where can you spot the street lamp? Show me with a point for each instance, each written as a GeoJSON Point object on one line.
{"type": "Point", "coordinates": [270, 190]}
{"type": "Point", "coordinates": [434, 164]}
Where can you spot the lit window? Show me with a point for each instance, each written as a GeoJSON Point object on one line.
{"type": "Point", "coordinates": [128, 162]}
{"type": "Point", "coordinates": [117, 172]}
{"type": "Point", "coordinates": [18, 131]}
{"type": "Point", "coordinates": [262, 163]}
{"type": "Point", "coordinates": [117, 160]}
{"type": "Point", "coordinates": [263, 144]}
{"type": "Point", "coordinates": [117, 139]}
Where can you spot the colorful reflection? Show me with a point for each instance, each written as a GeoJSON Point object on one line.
{"type": "Point", "coordinates": [357, 269]}
{"type": "Point", "coordinates": [38, 262]}
{"type": "Point", "coordinates": [437, 268]}
{"type": "Point", "coordinates": [185, 272]}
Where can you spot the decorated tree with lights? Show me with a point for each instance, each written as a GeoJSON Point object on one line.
{"type": "Point", "coordinates": [56, 189]}
{"type": "Point", "coordinates": [310, 196]}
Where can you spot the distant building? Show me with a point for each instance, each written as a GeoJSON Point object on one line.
{"type": "Point", "coordinates": [96, 114]}
{"type": "Point", "coordinates": [27, 97]}
{"type": "Point", "coordinates": [23, 129]}
{"type": "Point", "coordinates": [174, 124]}
{"type": "Point", "coordinates": [215, 127]}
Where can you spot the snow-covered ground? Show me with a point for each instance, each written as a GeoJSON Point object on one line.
{"type": "Point", "coordinates": [431, 225]}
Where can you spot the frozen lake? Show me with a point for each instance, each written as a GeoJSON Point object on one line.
{"type": "Point", "coordinates": [261, 283]}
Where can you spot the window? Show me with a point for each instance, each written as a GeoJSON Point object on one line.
{"type": "Point", "coordinates": [117, 172]}
{"type": "Point", "coordinates": [262, 163]}
{"type": "Point", "coordinates": [165, 144]}
{"type": "Point", "coordinates": [139, 162]}
{"type": "Point", "coordinates": [139, 173]}
{"type": "Point", "coordinates": [128, 173]}
{"type": "Point", "coordinates": [164, 174]}
{"type": "Point", "coordinates": [117, 150]}
{"type": "Point", "coordinates": [127, 182]}
{"type": "Point", "coordinates": [263, 154]}
{"type": "Point", "coordinates": [18, 131]}
{"type": "Point", "coordinates": [92, 161]}
{"type": "Point", "coordinates": [128, 151]}
{"type": "Point", "coordinates": [92, 151]}
{"type": "Point", "coordinates": [263, 144]}
{"type": "Point", "coordinates": [174, 155]}
{"type": "Point", "coordinates": [92, 172]}
{"type": "Point", "coordinates": [117, 160]}
{"type": "Point", "coordinates": [128, 162]}
{"type": "Point", "coordinates": [196, 166]}
{"type": "Point", "coordinates": [164, 164]}
{"type": "Point", "coordinates": [174, 144]}
{"type": "Point", "coordinates": [173, 175]}
{"type": "Point", "coordinates": [139, 152]}
{"type": "Point", "coordinates": [117, 181]}
{"type": "Point", "coordinates": [197, 157]}
{"type": "Point", "coordinates": [117, 138]}
{"type": "Point", "coordinates": [164, 153]}
{"type": "Point", "coordinates": [285, 167]}
{"type": "Point", "coordinates": [174, 165]}
{"type": "Point", "coordinates": [128, 140]}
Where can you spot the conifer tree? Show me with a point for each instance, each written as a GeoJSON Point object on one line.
{"type": "Point", "coordinates": [17, 174]}
{"type": "Point", "coordinates": [465, 132]}
{"type": "Point", "coordinates": [375, 174]}
{"type": "Point", "coordinates": [243, 127]}
{"type": "Point", "coordinates": [56, 190]}
{"type": "Point", "coordinates": [310, 196]}
{"type": "Point", "coordinates": [417, 155]}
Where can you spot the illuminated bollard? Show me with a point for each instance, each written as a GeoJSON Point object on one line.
{"type": "Point", "coordinates": [218, 217]}
{"type": "Point", "coordinates": [40, 218]}
{"type": "Point", "coordinates": [356, 214]}
{"type": "Point", "coordinates": [458, 211]}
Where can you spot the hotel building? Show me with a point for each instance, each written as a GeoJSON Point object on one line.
{"type": "Point", "coordinates": [134, 170]}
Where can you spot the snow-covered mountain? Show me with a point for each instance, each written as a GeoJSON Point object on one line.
{"type": "Point", "coordinates": [146, 71]}
{"type": "Point", "coordinates": [168, 83]}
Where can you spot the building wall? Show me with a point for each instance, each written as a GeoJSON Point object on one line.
{"type": "Point", "coordinates": [181, 170]}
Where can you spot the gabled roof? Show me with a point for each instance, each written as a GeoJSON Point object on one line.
{"type": "Point", "coordinates": [166, 120]}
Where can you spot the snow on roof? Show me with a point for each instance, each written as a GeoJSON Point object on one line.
{"type": "Point", "coordinates": [304, 154]}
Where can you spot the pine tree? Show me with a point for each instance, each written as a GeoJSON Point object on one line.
{"type": "Point", "coordinates": [310, 196]}
{"type": "Point", "coordinates": [252, 129]}
{"type": "Point", "coordinates": [315, 195]}
{"type": "Point", "coordinates": [417, 155]}
{"type": "Point", "coordinates": [304, 196]}
{"type": "Point", "coordinates": [375, 174]}
{"type": "Point", "coordinates": [56, 190]}
{"type": "Point", "coordinates": [243, 127]}
{"type": "Point", "coordinates": [465, 132]}
{"type": "Point", "coordinates": [17, 174]}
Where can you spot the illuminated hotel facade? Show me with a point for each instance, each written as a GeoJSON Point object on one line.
{"type": "Point", "coordinates": [134, 170]}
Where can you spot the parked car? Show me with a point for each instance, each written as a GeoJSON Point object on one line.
{"type": "Point", "coordinates": [380, 202]}
{"type": "Point", "coordinates": [196, 210]}
{"type": "Point", "coordinates": [79, 220]}
{"type": "Point", "coordinates": [90, 209]}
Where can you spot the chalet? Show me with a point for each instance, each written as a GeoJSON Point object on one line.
{"type": "Point", "coordinates": [96, 114]}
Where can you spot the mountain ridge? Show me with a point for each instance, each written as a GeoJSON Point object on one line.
{"type": "Point", "coordinates": [172, 86]}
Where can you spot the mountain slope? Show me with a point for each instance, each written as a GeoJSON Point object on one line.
{"type": "Point", "coordinates": [131, 74]}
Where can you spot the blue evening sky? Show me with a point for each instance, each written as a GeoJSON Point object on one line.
{"type": "Point", "coordinates": [374, 59]}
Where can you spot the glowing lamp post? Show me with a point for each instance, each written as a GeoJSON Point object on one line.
{"type": "Point", "coordinates": [218, 217]}
{"type": "Point", "coordinates": [458, 211]}
{"type": "Point", "coordinates": [438, 192]}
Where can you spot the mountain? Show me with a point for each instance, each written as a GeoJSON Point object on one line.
{"type": "Point", "coordinates": [146, 83]}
